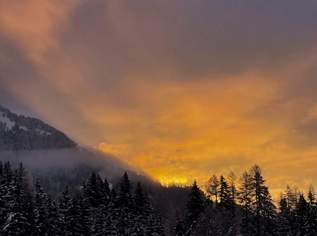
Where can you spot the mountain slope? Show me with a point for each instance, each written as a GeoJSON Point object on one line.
{"type": "Point", "coordinates": [53, 157]}
{"type": "Point", "coordinates": [18, 132]}
{"type": "Point", "coordinates": [56, 161]}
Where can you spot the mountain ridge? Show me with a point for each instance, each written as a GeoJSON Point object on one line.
{"type": "Point", "coordinates": [53, 157]}
{"type": "Point", "coordinates": [19, 132]}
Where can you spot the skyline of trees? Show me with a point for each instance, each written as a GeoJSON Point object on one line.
{"type": "Point", "coordinates": [97, 207]}
{"type": "Point", "coordinates": [248, 209]}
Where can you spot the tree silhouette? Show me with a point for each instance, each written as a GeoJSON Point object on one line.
{"type": "Point", "coordinates": [98, 209]}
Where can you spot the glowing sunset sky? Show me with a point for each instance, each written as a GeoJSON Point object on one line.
{"type": "Point", "coordinates": [180, 89]}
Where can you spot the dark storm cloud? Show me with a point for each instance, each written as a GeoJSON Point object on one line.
{"type": "Point", "coordinates": [193, 38]}
{"type": "Point", "coordinates": [112, 39]}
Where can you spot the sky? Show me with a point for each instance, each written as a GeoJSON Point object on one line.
{"type": "Point", "coordinates": [179, 89]}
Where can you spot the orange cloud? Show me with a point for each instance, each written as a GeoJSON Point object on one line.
{"type": "Point", "coordinates": [181, 91]}
{"type": "Point", "coordinates": [34, 24]}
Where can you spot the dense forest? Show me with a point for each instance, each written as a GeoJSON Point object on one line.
{"type": "Point", "coordinates": [226, 207]}
{"type": "Point", "coordinates": [247, 208]}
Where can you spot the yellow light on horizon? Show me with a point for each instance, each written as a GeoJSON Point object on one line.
{"type": "Point", "coordinates": [173, 181]}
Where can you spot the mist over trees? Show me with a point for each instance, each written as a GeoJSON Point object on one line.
{"type": "Point", "coordinates": [96, 209]}
{"type": "Point", "coordinates": [228, 206]}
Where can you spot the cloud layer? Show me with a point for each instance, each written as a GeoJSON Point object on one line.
{"type": "Point", "coordinates": [182, 89]}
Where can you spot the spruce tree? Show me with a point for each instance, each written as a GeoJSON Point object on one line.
{"type": "Point", "coordinates": [147, 221]}
{"type": "Point", "coordinates": [225, 194]}
{"type": "Point", "coordinates": [7, 172]}
{"type": "Point", "coordinates": [6, 192]}
{"type": "Point", "coordinates": [302, 214]}
{"type": "Point", "coordinates": [82, 216]}
{"type": "Point", "coordinates": [99, 223]}
{"type": "Point", "coordinates": [311, 196]}
{"type": "Point", "coordinates": [1, 169]}
{"type": "Point", "coordinates": [41, 210]}
{"type": "Point", "coordinates": [195, 206]}
{"type": "Point", "coordinates": [287, 213]}
{"type": "Point", "coordinates": [94, 191]}
{"type": "Point", "coordinates": [124, 198]}
{"type": "Point", "coordinates": [245, 196]}
{"type": "Point", "coordinates": [65, 204]}
{"type": "Point", "coordinates": [16, 225]}
{"type": "Point", "coordinates": [140, 200]}
{"type": "Point", "coordinates": [179, 226]}
{"type": "Point", "coordinates": [107, 190]}
{"type": "Point", "coordinates": [232, 185]}
{"type": "Point", "coordinates": [19, 219]}
{"type": "Point", "coordinates": [78, 221]}
{"type": "Point", "coordinates": [284, 217]}
{"type": "Point", "coordinates": [312, 214]}
{"type": "Point", "coordinates": [292, 197]}
{"type": "Point", "coordinates": [213, 189]}
{"type": "Point", "coordinates": [264, 209]}
{"type": "Point", "coordinates": [54, 220]}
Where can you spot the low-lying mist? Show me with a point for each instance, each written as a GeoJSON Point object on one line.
{"type": "Point", "coordinates": [58, 168]}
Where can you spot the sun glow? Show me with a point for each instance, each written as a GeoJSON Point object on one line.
{"type": "Point", "coordinates": [173, 180]}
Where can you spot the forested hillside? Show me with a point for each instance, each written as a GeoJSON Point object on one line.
{"type": "Point", "coordinates": [227, 207]}
{"type": "Point", "coordinates": [97, 208]}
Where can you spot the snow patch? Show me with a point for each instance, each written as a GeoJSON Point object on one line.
{"type": "Point", "coordinates": [43, 132]}
{"type": "Point", "coordinates": [5, 120]}
{"type": "Point", "coordinates": [24, 128]}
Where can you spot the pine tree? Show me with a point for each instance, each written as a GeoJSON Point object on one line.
{"type": "Point", "coordinates": [95, 191]}
{"type": "Point", "coordinates": [213, 188]}
{"type": "Point", "coordinates": [263, 204]}
{"type": "Point", "coordinates": [78, 221]}
{"type": "Point", "coordinates": [312, 214]}
{"type": "Point", "coordinates": [6, 191]}
{"type": "Point", "coordinates": [107, 190]}
{"type": "Point", "coordinates": [147, 220]}
{"type": "Point", "coordinates": [287, 214]}
{"type": "Point", "coordinates": [41, 210]}
{"type": "Point", "coordinates": [123, 207]}
{"type": "Point", "coordinates": [113, 195]}
{"type": "Point", "coordinates": [245, 199]}
{"type": "Point", "coordinates": [302, 213]}
{"type": "Point", "coordinates": [111, 221]}
{"type": "Point", "coordinates": [1, 170]}
{"type": "Point", "coordinates": [24, 196]}
{"type": "Point", "coordinates": [179, 226]}
{"type": "Point", "coordinates": [140, 200]}
{"type": "Point", "coordinates": [225, 194]}
{"type": "Point", "coordinates": [284, 217]}
{"type": "Point", "coordinates": [19, 218]}
{"type": "Point", "coordinates": [311, 196]}
{"type": "Point", "coordinates": [7, 172]}
{"type": "Point", "coordinates": [99, 223]}
{"type": "Point", "coordinates": [82, 217]}
{"type": "Point", "coordinates": [16, 225]}
{"type": "Point", "coordinates": [125, 197]}
{"type": "Point", "coordinates": [195, 206]}
{"type": "Point", "coordinates": [54, 220]}
{"type": "Point", "coordinates": [232, 187]}
{"type": "Point", "coordinates": [292, 197]}
{"type": "Point", "coordinates": [65, 204]}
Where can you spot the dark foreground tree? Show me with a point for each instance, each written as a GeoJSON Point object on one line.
{"type": "Point", "coordinates": [195, 206]}
{"type": "Point", "coordinates": [264, 209]}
